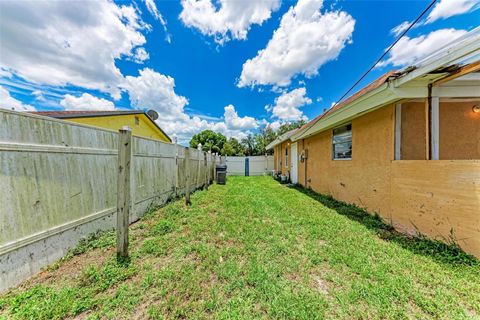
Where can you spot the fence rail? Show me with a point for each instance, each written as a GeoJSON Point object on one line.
{"type": "Point", "coordinates": [59, 184]}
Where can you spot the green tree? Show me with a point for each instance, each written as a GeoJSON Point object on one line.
{"type": "Point", "coordinates": [227, 149]}
{"type": "Point", "coordinates": [210, 140]}
{"type": "Point", "coordinates": [263, 139]}
{"type": "Point", "coordinates": [287, 126]}
{"type": "Point", "coordinates": [233, 148]}
{"type": "Point", "coordinates": [249, 144]}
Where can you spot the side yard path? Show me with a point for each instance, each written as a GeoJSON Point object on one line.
{"type": "Point", "coordinates": [255, 249]}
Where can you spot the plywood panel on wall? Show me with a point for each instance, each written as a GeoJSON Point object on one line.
{"type": "Point", "coordinates": [459, 130]}
{"type": "Point", "coordinates": [440, 199]}
{"type": "Point", "coordinates": [413, 131]}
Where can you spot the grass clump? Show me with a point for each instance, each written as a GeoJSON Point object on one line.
{"type": "Point", "coordinates": [255, 249]}
{"type": "Point", "coordinates": [447, 252]}
{"type": "Point", "coordinates": [161, 228]}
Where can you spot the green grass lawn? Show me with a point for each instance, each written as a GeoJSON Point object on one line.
{"type": "Point", "coordinates": [255, 249]}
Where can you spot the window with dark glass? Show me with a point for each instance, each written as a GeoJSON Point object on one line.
{"type": "Point", "coordinates": [342, 142]}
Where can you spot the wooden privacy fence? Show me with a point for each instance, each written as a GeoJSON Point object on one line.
{"type": "Point", "coordinates": [59, 182]}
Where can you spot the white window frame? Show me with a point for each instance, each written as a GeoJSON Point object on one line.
{"type": "Point", "coordinates": [333, 143]}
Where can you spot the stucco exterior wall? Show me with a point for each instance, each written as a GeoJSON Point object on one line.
{"type": "Point", "coordinates": [276, 159]}
{"type": "Point", "coordinates": [428, 197]}
{"type": "Point", "coordinates": [364, 179]}
{"type": "Point", "coordinates": [285, 165]}
{"type": "Point", "coordinates": [301, 165]}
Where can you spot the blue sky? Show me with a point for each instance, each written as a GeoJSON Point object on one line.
{"type": "Point", "coordinates": [201, 64]}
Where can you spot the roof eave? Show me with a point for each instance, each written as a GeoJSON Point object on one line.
{"type": "Point", "coordinates": [462, 50]}
{"type": "Point", "coordinates": [282, 138]}
{"type": "Point", "coordinates": [275, 143]}
{"type": "Point", "coordinates": [465, 50]}
{"type": "Point", "coordinates": [379, 96]}
{"type": "Point", "coordinates": [93, 114]}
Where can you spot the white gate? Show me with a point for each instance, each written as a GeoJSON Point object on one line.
{"type": "Point", "coordinates": [249, 166]}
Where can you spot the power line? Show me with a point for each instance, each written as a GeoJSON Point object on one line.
{"type": "Point", "coordinates": [386, 52]}
{"type": "Point", "coordinates": [379, 59]}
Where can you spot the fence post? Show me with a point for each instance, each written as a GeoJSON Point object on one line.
{"type": "Point", "coordinates": [209, 168]}
{"type": "Point", "coordinates": [123, 189]}
{"type": "Point", "coordinates": [198, 176]}
{"type": "Point", "coordinates": [206, 170]}
{"type": "Point", "coordinates": [176, 168]}
{"type": "Point", "coordinates": [214, 167]}
{"type": "Point", "coordinates": [266, 164]}
{"type": "Point", "coordinates": [187, 176]}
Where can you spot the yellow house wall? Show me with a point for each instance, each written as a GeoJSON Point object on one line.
{"type": "Point", "coordinates": [144, 129]}
{"type": "Point", "coordinates": [276, 165]}
{"type": "Point", "coordinates": [301, 165]}
{"type": "Point", "coordinates": [364, 179]}
{"type": "Point", "coordinates": [285, 167]}
{"type": "Point", "coordinates": [428, 197]}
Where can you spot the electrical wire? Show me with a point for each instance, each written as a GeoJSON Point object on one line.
{"type": "Point", "coordinates": [382, 56]}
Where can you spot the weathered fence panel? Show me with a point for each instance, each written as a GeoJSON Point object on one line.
{"type": "Point", "coordinates": [58, 183]}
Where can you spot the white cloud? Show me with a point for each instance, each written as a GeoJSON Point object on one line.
{"type": "Point", "coordinates": [141, 55]}
{"type": "Point", "coordinates": [305, 40]}
{"type": "Point", "coordinates": [234, 122]}
{"type": "Point", "coordinates": [69, 42]}
{"type": "Point", "coordinates": [232, 20]}
{"type": "Point", "coordinates": [287, 106]}
{"type": "Point", "coordinates": [154, 90]}
{"type": "Point", "coordinates": [449, 8]}
{"type": "Point", "coordinates": [10, 103]}
{"type": "Point", "coordinates": [442, 10]}
{"type": "Point", "coordinates": [86, 102]}
{"type": "Point", "coordinates": [152, 8]}
{"type": "Point", "coordinates": [275, 125]}
{"type": "Point", "coordinates": [410, 50]}
{"type": "Point", "coordinates": [186, 126]}
{"type": "Point", "coordinates": [5, 73]}
{"type": "Point", "coordinates": [400, 28]}
{"type": "Point", "coordinates": [39, 95]}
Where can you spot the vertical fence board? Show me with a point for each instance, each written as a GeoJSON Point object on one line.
{"type": "Point", "coordinates": [187, 176]}
{"type": "Point", "coordinates": [123, 190]}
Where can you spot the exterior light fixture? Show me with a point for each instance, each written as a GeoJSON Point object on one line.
{"type": "Point", "coordinates": [476, 108]}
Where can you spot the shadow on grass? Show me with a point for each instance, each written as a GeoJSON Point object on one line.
{"type": "Point", "coordinates": [439, 251]}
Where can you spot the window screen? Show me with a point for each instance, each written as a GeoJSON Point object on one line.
{"type": "Point", "coordinates": [342, 142]}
